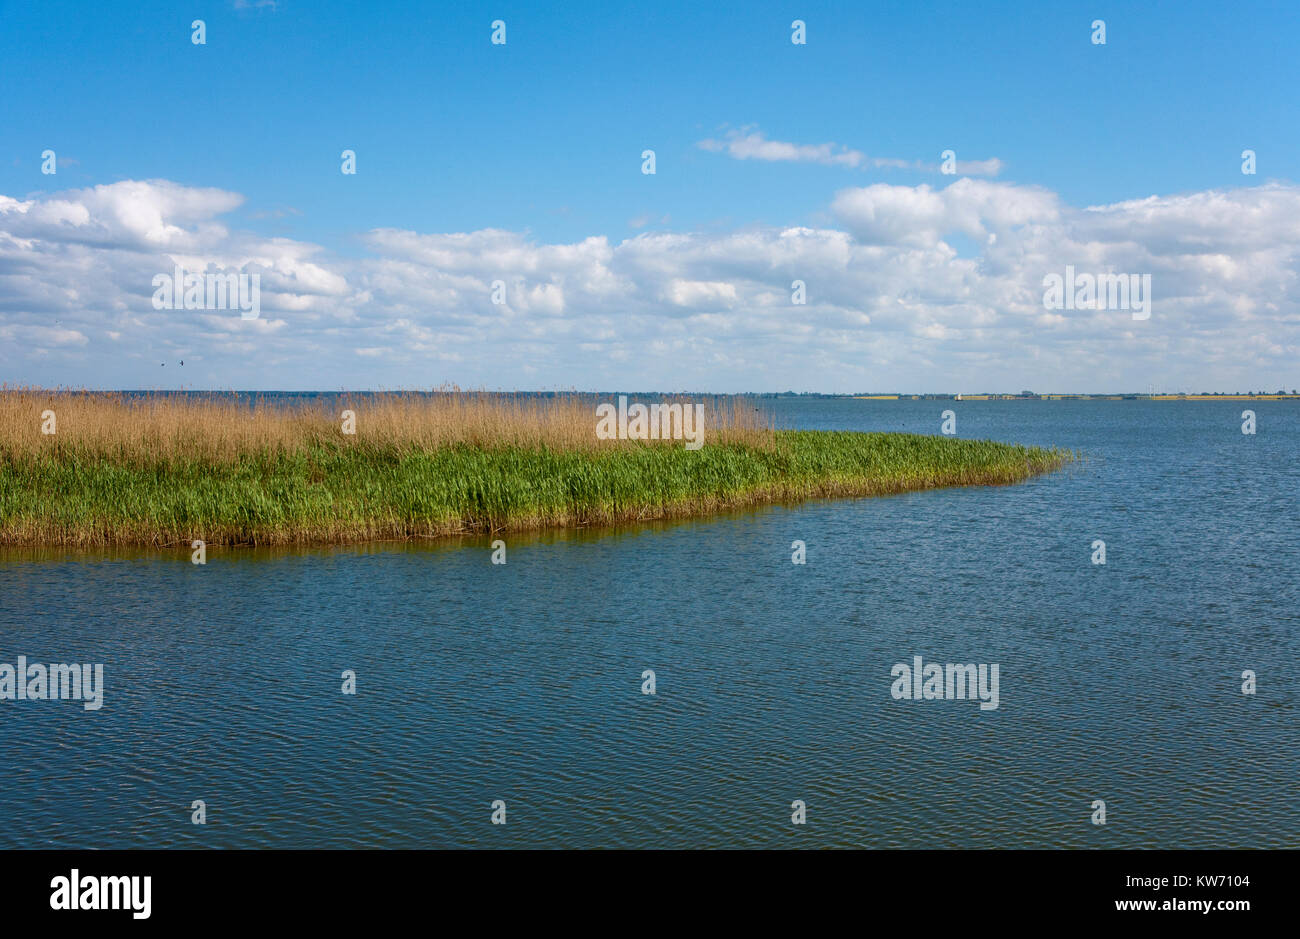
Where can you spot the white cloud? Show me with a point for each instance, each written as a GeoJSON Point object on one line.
{"type": "Point", "coordinates": [751, 144]}
{"type": "Point", "coordinates": [990, 167]}
{"type": "Point", "coordinates": [911, 287]}
{"type": "Point", "coordinates": [884, 214]}
{"type": "Point", "coordinates": [130, 215]}
{"type": "Point", "coordinates": [754, 146]}
{"type": "Point", "coordinates": [702, 295]}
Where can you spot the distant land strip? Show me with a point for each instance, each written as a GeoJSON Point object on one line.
{"type": "Point", "coordinates": [1279, 396]}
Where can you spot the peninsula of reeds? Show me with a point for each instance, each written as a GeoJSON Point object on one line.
{"type": "Point", "coordinates": [91, 468]}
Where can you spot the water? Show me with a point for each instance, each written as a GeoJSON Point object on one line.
{"type": "Point", "coordinates": [523, 682]}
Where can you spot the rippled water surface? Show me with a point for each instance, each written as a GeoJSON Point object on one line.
{"type": "Point", "coordinates": [523, 682]}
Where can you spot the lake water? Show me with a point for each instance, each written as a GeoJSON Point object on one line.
{"type": "Point", "coordinates": [478, 682]}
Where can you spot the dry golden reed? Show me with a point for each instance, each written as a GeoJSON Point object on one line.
{"type": "Point", "coordinates": [167, 426]}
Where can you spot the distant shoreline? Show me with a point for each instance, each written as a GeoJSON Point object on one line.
{"type": "Point", "coordinates": [273, 394]}
{"type": "Point", "coordinates": [1064, 397]}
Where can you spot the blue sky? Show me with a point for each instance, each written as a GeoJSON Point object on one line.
{"type": "Point", "coordinates": [542, 137]}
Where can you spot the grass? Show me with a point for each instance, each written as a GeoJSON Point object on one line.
{"type": "Point", "coordinates": [167, 469]}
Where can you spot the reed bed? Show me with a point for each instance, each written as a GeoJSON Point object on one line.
{"type": "Point", "coordinates": [176, 428]}
{"type": "Point", "coordinates": [167, 469]}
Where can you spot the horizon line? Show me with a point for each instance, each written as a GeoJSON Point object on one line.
{"type": "Point", "coordinates": [855, 395]}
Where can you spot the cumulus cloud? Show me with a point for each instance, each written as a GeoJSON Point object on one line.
{"type": "Point", "coordinates": [909, 287]}
{"type": "Point", "coordinates": [144, 215]}
{"type": "Point", "coordinates": [884, 214]}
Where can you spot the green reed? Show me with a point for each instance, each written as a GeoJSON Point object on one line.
{"type": "Point", "coordinates": [349, 489]}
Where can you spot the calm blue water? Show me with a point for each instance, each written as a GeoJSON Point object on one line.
{"type": "Point", "coordinates": [523, 682]}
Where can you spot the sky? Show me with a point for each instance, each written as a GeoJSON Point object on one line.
{"type": "Point", "coordinates": [521, 164]}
